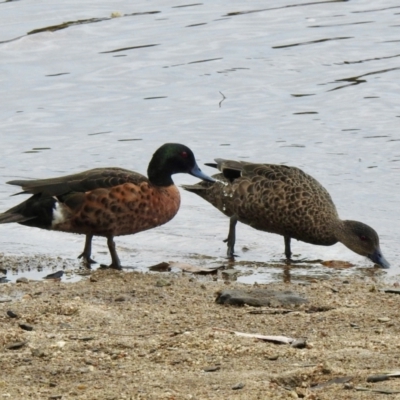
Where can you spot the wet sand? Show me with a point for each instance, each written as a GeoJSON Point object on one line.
{"type": "Point", "coordinates": [130, 335]}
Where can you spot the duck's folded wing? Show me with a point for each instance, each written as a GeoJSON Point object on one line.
{"type": "Point", "coordinates": [81, 182]}
{"type": "Point", "coordinates": [272, 172]}
{"type": "Point", "coordinates": [231, 169]}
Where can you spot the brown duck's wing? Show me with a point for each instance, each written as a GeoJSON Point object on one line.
{"type": "Point", "coordinates": [269, 176]}
{"type": "Point", "coordinates": [277, 178]}
{"type": "Point", "coordinates": [231, 169]}
{"type": "Point", "coordinates": [276, 172]}
{"type": "Point", "coordinates": [283, 200]}
{"type": "Point", "coordinates": [81, 182]}
{"type": "Point", "coordinates": [223, 164]}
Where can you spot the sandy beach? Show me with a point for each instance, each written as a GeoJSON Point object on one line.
{"type": "Point", "coordinates": [130, 335]}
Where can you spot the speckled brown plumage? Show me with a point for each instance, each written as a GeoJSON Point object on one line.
{"type": "Point", "coordinates": [106, 201]}
{"type": "Point", "coordinates": [286, 201]}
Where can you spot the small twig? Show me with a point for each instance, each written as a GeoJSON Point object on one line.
{"type": "Point", "coordinates": [275, 339]}
{"type": "Point", "coordinates": [222, 99]}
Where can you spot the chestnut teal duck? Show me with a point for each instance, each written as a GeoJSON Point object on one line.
{"type": "Point", "coordinates": [106, 201]}
{"type": "Point", "coordinates": [286, 201]}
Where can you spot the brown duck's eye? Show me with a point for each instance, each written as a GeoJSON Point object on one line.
{"type": "Point", "coordinates": [363, 238]}
{"type": "Point", "coordinates": [184, 154]}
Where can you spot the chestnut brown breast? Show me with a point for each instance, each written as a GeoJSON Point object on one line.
{"type": "Point", "coordinates": [120, 210]}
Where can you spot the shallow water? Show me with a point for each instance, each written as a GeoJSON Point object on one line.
{"type": "Point", "coordinates": [310, 84]}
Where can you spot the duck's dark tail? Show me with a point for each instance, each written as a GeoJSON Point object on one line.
{"type": "Point", "coordinates": [35, 211]}
{"type": "Point", "coordinates": [9, 217]}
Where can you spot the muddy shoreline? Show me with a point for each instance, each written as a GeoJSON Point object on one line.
{"type": "Point", "coordinates": [130, 335]}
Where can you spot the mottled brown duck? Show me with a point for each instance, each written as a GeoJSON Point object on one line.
{"type": "Point", "coordinates": [106, 201]}
{"type": "Point", "coordinates": [287, 201]}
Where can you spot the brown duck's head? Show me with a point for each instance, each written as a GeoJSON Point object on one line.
{"type": "Point", "coordinates": [363, 240]}
{"type": "Point", "coordinates": [173, 158]}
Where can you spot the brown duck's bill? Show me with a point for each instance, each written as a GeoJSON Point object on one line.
{"type": "Point", "coordinates": [196, 171]}
{"type": "Point", "coordinates": [378, 258]}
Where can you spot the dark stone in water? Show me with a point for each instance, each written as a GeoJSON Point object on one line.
{"type": "Point", "coordinates": [161, 267]}
{"type": "Point", "coordinates": [55, 275]}
{"type": "Point", "coordinates": [259, 298]}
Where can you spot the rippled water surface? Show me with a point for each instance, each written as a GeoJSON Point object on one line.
{"type": "Point", "coordinates": [310, 84]}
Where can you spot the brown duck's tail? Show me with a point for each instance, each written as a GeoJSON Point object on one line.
{"type": "Point", "coordinates": [213, 165]}
{"type": "Point", "coordinates": [198, 187]}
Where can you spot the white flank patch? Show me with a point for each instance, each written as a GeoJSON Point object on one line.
{"type": "Point", "coordinates": [58, 214]}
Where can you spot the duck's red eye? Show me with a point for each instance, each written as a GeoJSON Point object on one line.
{"type": "Point", "coordinates": [363, 238]}
{"type": "Point", "coordinates": [184, 154]}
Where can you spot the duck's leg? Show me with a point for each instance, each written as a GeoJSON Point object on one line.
{"type": "Point", "coordinates": [231, 239]}
{"type": "Point", "coordinates": [87, 251]}
{"type": "Point", "coordinates": [288, 253]}
{"type": "Point", "coordinates": [115, 263]}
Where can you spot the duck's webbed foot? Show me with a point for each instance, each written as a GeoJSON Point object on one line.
{"type": "Point", "coordinates": [115, 262]}
{"type": "Point", "coordinates": [231, 239]}
{"type": "Point", "coordinates": [87, 252]}
{"type": "Point", "coordinates": [288, 253]}
{"type": "Point", "coordinates": [112, 266]}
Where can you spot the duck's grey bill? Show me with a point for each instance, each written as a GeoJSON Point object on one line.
{"type": "Point", "coordinates": [378, 258]}
{"type": "Point", "coordinates": [196, 171]}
